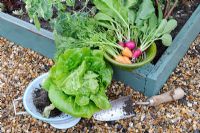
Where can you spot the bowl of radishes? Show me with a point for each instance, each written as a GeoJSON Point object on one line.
{"type": "Point", "coordinates": [131, 56]}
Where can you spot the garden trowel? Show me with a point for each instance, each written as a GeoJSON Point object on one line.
{"type": "Point", "coordinates": [124, 107]}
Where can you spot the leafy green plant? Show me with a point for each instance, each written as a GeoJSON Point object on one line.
{"type": "Point", "coordinates": [44, 8]}
{"type": "Point", "coordinates": [114, 16]}
{"type": "Point", "coordinates": [1, 7]}
{"type": "Point", "coordinates": [132, 22]}
{"type": "Point", "coordinates": [127, 20]}
{"type": "Point", "coordinates": [79, 30]}
{"type": "Point", "coordinates": [154, 27]}
{"type": "Point", "coordinates": [71, 30]}
{"type": "Point", "coordinates": [78, 81]}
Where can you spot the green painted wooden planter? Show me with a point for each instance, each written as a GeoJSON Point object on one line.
{"type": "Point", "coordinates": [149, 79]}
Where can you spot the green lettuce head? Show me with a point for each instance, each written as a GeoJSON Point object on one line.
{"type": "Point", "coordinates": [77, 83]}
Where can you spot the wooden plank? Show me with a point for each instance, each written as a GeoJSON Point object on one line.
{"type": "Point", "coordinates": [173, 55]}
{"type": "Point", "coordinates": [27, 35]}
{"type": "Point", "coordinates": [135, 79]}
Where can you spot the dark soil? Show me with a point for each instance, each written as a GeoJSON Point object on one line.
{"type": "Point", "coordinates": [41, 100]}
{"type": "Point", "coordinates": [181, 13]}
{"type": "Point", "coordinates": [128, 108]}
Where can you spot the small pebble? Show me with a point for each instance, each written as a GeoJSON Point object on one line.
{"type": "Point", "coordinates": [189, 104]}
{"type": "Point", "coordinates": [131, 124]}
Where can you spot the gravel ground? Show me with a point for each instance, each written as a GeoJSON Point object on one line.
{"type": "Point", "coordinates": [18, 66]}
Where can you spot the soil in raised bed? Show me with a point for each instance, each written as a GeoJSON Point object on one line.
{"type": "Point", "coordinates": [41, 100]}
{"type": "Point", "coordinates": [181, 13]}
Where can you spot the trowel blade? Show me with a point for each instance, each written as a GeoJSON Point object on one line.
{"type": "Point", "coordinates": [121, 108]}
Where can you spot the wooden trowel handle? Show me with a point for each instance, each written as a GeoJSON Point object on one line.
{"type": "Point", "coordinates": [167, 97]}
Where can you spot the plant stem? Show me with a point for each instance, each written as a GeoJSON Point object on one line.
{"type": "Point", "coordinates": [148, 44]}
{"type": "Point", "coordinates": [171, 10]}
{"type": "Point", "coordinates": [166, 8]}
{"type": "Point", "coordinates": [85, 5]}
{"type": "Point", "coordinates": [119, 15]}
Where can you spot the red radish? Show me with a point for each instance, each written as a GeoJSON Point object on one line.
{"type": "Point", "coordinates": [137, 53]}
{"type": "Point", "coordinates": [130, 44]}
{"type": "Point", "coordinates": [121, 44]}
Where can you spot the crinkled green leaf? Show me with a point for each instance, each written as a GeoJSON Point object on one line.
{"type": "Point", "coordinates": [95, 63]}
{"type": "Point", "coordinates": [74, 81]}
{"type": "Point", "coordinates": [98, 53]}
{"type": "Point", "coordinates": [98, 98]}
{"type": "Point", "coordinates": [92, 85]}
{"type": "Point", "coordinates": [90, 75]}
{"type": "Point", "coordinates": [106, 75]}
{"type": "Point", "coordinates": [82, 100]}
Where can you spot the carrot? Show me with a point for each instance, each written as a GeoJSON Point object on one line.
{"type": "Point", "coordinates": [122, 59]}
{"type": "Point", "coordinates": [127, 60]}
{"type": "Point", "coordinates": [127, 52]}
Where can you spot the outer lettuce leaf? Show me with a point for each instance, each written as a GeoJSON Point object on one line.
{"type": "Point", "coordinates": [106, 76]}
{"type": "Point", "coordinates": [98, 98]}
{"type": "Point", "coordinates": [66, 104]}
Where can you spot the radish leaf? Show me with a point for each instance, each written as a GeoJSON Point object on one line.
{"type": "Point", "coordinates": [171, 25]}
{"type": "Point", "coordinates": [166, 39]}
{"type": "Point", "coordinates": [145, 11]}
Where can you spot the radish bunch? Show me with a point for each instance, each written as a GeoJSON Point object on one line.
{"type": "Point", "coordinates": [129, 53]}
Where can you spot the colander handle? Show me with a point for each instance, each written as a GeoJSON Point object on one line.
{"type": "Point", "coordinates": [15, 102]}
